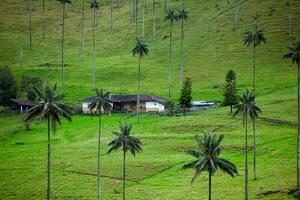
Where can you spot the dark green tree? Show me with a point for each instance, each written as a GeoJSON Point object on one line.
{"type": "Point", "coordinates": [255, 37]}
{"type": "Point", "coordinates": [8, 87]}
{"type": "Point", "coordinates": [247, 109]}
{"type": "Point", "coordinates": [230, 92]}
{"type": "Point", "coordinates": [27, 82]}
{"type": "Point", "coordinates": [208, 158]}
{"type": "Point", "coordinates": [171, 16]}
{"type": "Point", "coordinates": [124, 140]}
{"type": "Point", "coordinates": [50, 110]}
{"type": "Point", "coordinates": [140, 49]}
{"type": "Point", "coordinates": [294, 54]}
{"type": "Point", "coordinates": [185, 100]}
{"type": "Point", "coordinates": [100, 103]}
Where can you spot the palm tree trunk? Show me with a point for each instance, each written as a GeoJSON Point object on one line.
{"type": "Point", "coordinates": [170, 62]}
{"type": "Point", "coordinates": [290, 18]}
{"type": "Point", "coordinates": [111, 14]}
{"type": "Point", "coordinates": [209, 186]}
{"type": "Point", "coordinates": [181, 55]}
{"type": "Point", "coordinates": [30, 24]}
{"type": "Point", "coordinates": [136, 18]}
{"type": "Point", "coordinates": [154, 20]}
{"type": "Point", "coordinates": [230, 108]}
{"type": "Point", "coordinates": [62, 48]}
{"type": "Point", "coordinates": [143, 20]}
{"type": "Point", "coordinates": [124, 172]}
{"type": "Point", "coordinates": [298, 137]}
{"type": "Point", "coordinates": [138, 97]}
{"type": "Point", "coordinates": [21, 58]}
{"type": "Point", "coordinates": [246, 157]}
{"type": "Point", "coordinates": [82, 32]}
{"type": "Point", "coordinates": [98, 164]}
{"type": "Point", "coordinates": [254, 119]}
{"type": "Point", "coordinates": [43, 18]}
{"type": "Point", "coordinates": [48, 165]}
{"type": "Point", "coordinates": [94, 49]}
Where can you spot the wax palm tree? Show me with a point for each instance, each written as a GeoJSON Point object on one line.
{"type": "Point", "coordinates": [208, 158]}
{"type": "Point", "coordinates": [124, 140]}
{"type": "Point", "coordinates": [171, 16]}
{"type": "Point", "coordinates": [82, 32]}
{"type": "Point", "coordinates": [64, 2]}
{"type": "Point", "coordinates": [183, 16]}
{"type": "Point", "coordinates": [94, 7]}
{"type": "Point", "coordinates": [50, 110]}
{"type": "Point", "coordinates": [100, 103]}
{"type": "Point", "coordinates": [255, 38]}
{"type": "Point", "coordinates": [294, 53]}
{"type": "Point", "coordinates": [140, 49]}
{"type": "Point", "coordinates": [247, 108]}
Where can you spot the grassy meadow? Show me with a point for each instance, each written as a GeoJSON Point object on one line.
{"type": "Point", "coordinates": [212, 47]}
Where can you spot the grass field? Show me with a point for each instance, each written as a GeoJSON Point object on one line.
{"type": "Point", "coordinates": [211, 49]}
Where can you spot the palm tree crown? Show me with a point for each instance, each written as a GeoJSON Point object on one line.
{"type": "Point", "coordinates": [256, 37]}
{"type": "Point", "coordinates": [294, 52]}
{"type": "Point", "coordinates": [125, 140]}
{"type": "Point", "coordinates": [207, 156]}
{"type": "Point", "coordinates": [171, 15]}
{"type": "Point", "coordinates": [48, 107]}
{"type": "Point", "coordinates": [95, 4]}
{"type": "Point", "coordinates": [247, 106]}
{"type": "Point", "coordinates": [183, 14]}
{"type": "Point", "coordinates": [140, 48]}
{"type": "Point", "coordinates": [101, 101]}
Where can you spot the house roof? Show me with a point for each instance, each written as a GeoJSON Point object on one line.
{"type": "Point", "coordinates": [21, 102]}
{"type": "Point", "coordinates": [125, 98]}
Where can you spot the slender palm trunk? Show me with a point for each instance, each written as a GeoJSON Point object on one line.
{"type": "Point", "coordinates": [136, 18]}
{"type": "Point", "coordinates": [99, 151]}
{"type": "Point", "coordinates": [82, 32]}
{"type": "Point", "coordinates": [170, 62]}
{"type": "Point", "coordinates": [21, 58]}
{"type": "Point", "coordinates": [48, 165]}
{"type": "Point", "coordinates": [43, 18]}
{"type": "Point", "coordinates": [111, 14]}
{"type": "Point", "coordinates": [138, 97]}
{"type": "Point", "coordinates": [62, 48]}
{"type": "Point", "coordinates": [143, 20]}
{"type": "Point", "coordinates": [181, 54]}
{"type": "Point", "coordinates": [246, 157]}
{"type": "Point", "coordinates": [30, 24]}
{"type": "Point", "coordinates": [209, 186]}
{"type": "Point", "coordinates": [124, 171]}
{"type": "Point", "coordinates": [298, 137]}
{"type": "Point", "coordinates": [94, 49]}
{"type": "Point", "coordinates": [154, 20]}
{"type": "Point", "coordinates": [235, 13]}
{"type": "Point", "coordinates": [290, 18]}
{"type": "Point", "coordinates": [254, 119]}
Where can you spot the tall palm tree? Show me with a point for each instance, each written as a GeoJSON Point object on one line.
{"type": "Point", "coordinates": [247, 108]}
{"type": "Point", "coordinates": [171, 16]}
{"type": "Point", "coordinates": [208, 158]}
{"type": "Point", "coordinates": [101, 103]}
{"type": "Point", "coordinates": [82, 32]}
{"type": "Point", "coordinates": [50, 110]}
{"type": "Point", "coordinates": [127, 142]}
{"type": "Point", "coordinates": [255, 38]}
{"type": "Point", "coordinates": [294, 53]}
{"type": "Point", "coordinates": [64, 2]}
{"type": "Point", "coordinates": [140, 49]}
{"type": "Point", "coordinates": [183, 16]}
{"type": "Point", "coordinates": [94, 7]}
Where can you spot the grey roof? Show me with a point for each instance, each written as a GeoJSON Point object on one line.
{"type": "Point", "coordinates": [125, 98]}
{"type": "Point", "coordinates": [21, 102]}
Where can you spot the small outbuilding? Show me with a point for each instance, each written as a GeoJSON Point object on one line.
{"type": "Point", "coordinates": [127, 103]}
{"type": "Point", "coordinates": [22, 105]}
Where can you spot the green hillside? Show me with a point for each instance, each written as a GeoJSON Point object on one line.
{"type": "Point", "coordinates": [211, 46]}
